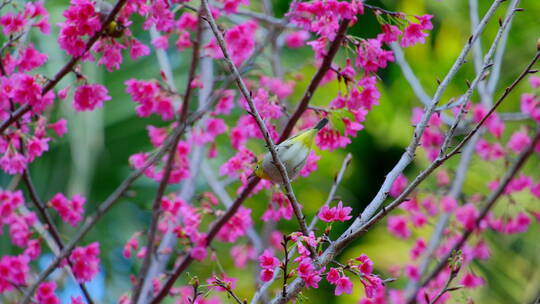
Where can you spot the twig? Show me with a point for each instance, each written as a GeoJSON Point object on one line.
{"type": "Point", "coordinates": [490, 202]}
{"type": "Point", "coordinates": [413, 81]}
{"type": "Point", "coordinates": [229, 290]}
{"type": "Point", "coordinates": [457, 260]}
{"type": "Point", "coordinates": [497, 61]}
{"type": "Point", "coordinates": [476, 82]}
{"type": "Point", "coordinates": [477, 54]}
{"type": "Point", "coordinates": [168, 166]}
{"type": "Point", "coordinates": [65, 69]}
{"type": "Point", "coordinates": [272, 21]}
{"type": "Point", "coordinates": [285, 264]}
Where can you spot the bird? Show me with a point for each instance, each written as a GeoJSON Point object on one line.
{"type": "Point", "coordinates": [292, 152]}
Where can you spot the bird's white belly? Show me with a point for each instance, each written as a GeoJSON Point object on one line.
{"type": "Point", "coordinates": [293, 158]}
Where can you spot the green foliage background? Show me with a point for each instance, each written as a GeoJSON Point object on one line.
{"type": "Point", "coordinates": [92, 159]}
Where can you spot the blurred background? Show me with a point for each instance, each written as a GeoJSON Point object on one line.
{"type": "Point", "coordinates": [92, 158]}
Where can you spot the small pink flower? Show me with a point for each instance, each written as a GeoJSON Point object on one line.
{"type": "Point", "coordinates": [397, 225]}
{"type": "Point", "coordinates": [241, 254]}
{"type": "Point", "coordinates": [30, 58]}
{"type": "Point", "coordinates": [412, 272]}
{"type": "Point", "coordinates": [183, 42]}
{"type": "Point", "coordinates": [45, 293]}
{"type": "Point", "coordinates": [418, 249]}
{"type": "Point", "coordinates": [469, 280]}
{"type": "Point", "coordinates": [59, 127]}
{"type": "Point", "coordinates": [89, 96]}
{"type": "Point", "coordinates": [343, 285]}
{"type": "Point", "coordinates": [398, 186]}
{"type": "Point", "coordinates": [366, 266]}
{"type": "Point", "coordinates": [199, 252]}
{"type": "Point", "coordinates": [312, 280]}
{"type": "Point", "coordinates": [267, 260]}
{"type": "Point", "coordinates": [342, 213]}
{"type": "Point", "coordinates": [296, 39]}
{"type": "Point", "coordinates": [467, 215]}
{"type": "Point", "coordinates": [332, 276]}
{"type": "Point", "coordinates": [534, 81]}
{"type": "Point", "coordinates": [266, 274]}
{"type": "Point", "coordinates": [519, 141]}
{"type": "Point", "coordinates": [85, 262]}
{"type": "Point", "coordinates": [327, 214]}
{"type": "Point", "coordinates": [161, 42]}
{"type": "Point", "coordinates": [448, 203]}
{"type": "Point", "coordinates": [237, 226]}
{"type": "Point", "coordinates": [442, 178]}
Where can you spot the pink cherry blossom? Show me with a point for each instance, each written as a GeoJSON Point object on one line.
{"type": "Point", "coordinates": [397, 225]}
{"type": "Point", "coordinates": [398, 186]}
{"type": "Point", "coordinates": [59, 127]}
{"type": "Point", "coordinates": [534, 81]}
{"type": "Point", "coordinates": [296, 39]}
{"type": "Point", "coordinates": [519, 141]}
{"type": "Point", "coordinates": [89, 96]}
{"type": "Point", "coordinates": [266, 274]}
{"type": "Point", "coordinates": [366, 264]}
{"type": "Point", "coordinates": [70, 211]}
{"type": "Point", "coordinates": [236, 226]}
{"type": "Point", "coordinates": [343, 285]}
{"type": "Point", "coordinates": [412, 272]}
{"type": "Point", "coordinates": [467, 215]}
{"type": "Point", "coordinates": [418, 249]}
{"type": "Point", "coordinates": [268, 260]}
{"type": "Point", "coordinates": [469, 280]}
{"type": "Point", "coordinates": [242, 254]}
{"type": "Point", "coordinates": [85, 262]}
{"type": "Point", "coordinates": [449, 203]}
{"type": "Point", "coordinates": [332, 276]}
{"type": "Point", "coordinates": [30, 58]}
{"type": "Point", "coordinates": [45, 293]}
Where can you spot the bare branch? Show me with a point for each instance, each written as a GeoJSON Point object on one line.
{"type": "Point", "coordinates": [413, 80]}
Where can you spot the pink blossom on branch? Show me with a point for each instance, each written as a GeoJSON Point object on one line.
{"type": "Point", "coordinates": [90, 96]}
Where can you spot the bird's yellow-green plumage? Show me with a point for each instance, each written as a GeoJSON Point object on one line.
{"type": "Point", "coordinates": [293, 153]}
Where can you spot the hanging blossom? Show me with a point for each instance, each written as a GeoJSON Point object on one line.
{"type": "Point", "coordinates": [85, 262]}
{"type": "Point", "coordinates": [151, 98]}
{"type": "Point", "coordinates": [71, 211]}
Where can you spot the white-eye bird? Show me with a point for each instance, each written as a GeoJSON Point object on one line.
{"type": "Point", "coordinates": [293, 153]}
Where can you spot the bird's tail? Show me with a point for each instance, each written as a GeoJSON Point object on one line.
{"type": "Point", "coordinates": [321, 124]}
